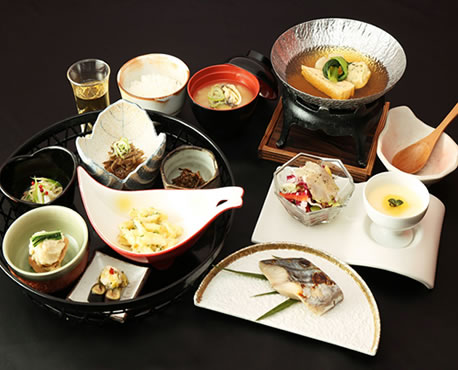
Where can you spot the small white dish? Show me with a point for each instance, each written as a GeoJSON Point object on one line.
{"type": "Point", "coordinates": [123, 119]}
{"type": "Point", "coordinates": [136, 275]}
{"type": "Point", "coordinates": [403, 128]}
{"type": "Point", "coordinates": [193, 210]}
{"type": "Point", "coordinates": [155, 81]}
{"type": "Point", "coordinates": [354, 323]}
{"type": "Point", "coordinates": [392, 230]}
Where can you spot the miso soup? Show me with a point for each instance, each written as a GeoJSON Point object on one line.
{"type": "Point", "coordinates": [201, 97]}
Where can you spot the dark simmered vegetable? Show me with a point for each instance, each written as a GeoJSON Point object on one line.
{"type": "Point", "coordinates": [113, 294]}
{"type": "Point", "coordinates": [188, 179]}
{"type": "Point", "coordinates": [97, 293]}
{"type": "Point", "coordinates": [109, 286]}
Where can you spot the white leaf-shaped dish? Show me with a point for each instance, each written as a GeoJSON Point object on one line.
{"type": "Point", "coordinates": [123, 119]}
{"type": "Point", "coordinates": [404, 128]}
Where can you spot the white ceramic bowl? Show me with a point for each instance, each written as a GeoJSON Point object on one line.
{"type": "Point", "coordinates": [155, 81]}
{"type": "Point", "coordinates": [16, 246]}
{"type": "Point", "coordinates": [123, 119]}
{"type": "Point", "coordinates": [403, 128]}
{"type": "Point", "coordinates": [193, 158]}
{"type": "Point", "coordinates": [390, 230]}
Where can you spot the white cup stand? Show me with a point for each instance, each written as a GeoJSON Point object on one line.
{"type": "Point", "coordinates": [390, 231]}
{"type": "Point", "coordinates": [389, 237]}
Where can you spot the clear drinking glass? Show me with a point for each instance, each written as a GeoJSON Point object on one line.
{"type": "Point", "coordinates": [89, 80]}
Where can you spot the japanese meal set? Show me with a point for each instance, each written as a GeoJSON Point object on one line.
{"type": "Point", "coordinates": [159, 194]}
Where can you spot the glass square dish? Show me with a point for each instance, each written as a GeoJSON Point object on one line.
{"type": "Point", "coordinates": [341, 176]}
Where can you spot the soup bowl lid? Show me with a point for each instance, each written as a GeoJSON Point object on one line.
{"type": "Point", "coordinates": [259, 65]}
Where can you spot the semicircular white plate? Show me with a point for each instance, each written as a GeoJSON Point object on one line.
{"type": "Point", "coordinates": [354, 323]}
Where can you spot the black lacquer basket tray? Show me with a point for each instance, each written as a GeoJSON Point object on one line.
{"type": "Point", "coordinates": [162, 287]}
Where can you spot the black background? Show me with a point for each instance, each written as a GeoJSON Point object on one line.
{"type": "Point", "coordinates": [39, 40]}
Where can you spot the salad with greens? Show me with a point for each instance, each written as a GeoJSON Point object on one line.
{"type": "Point", "coordinates": [42, 190]}
{"type": "Point", "coordinates": [311, 188]}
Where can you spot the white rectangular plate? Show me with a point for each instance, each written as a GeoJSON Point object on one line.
{"type": "Point", "coordinates": [347, 237]}
{"type": "Point", "coordinates": [135, 274]}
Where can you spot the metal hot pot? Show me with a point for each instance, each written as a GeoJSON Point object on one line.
{"type": "Point", "coordinates": [334, 117]}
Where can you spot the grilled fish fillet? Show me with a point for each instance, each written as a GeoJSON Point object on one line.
{"type": "Point", "coordinates": [300, 279]}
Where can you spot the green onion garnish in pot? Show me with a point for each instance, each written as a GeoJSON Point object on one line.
{"type": "Point", "coordinates": [336, 69]}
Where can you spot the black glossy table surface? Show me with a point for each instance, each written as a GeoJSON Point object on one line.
{"type": "Point", "coordinates": [41, 39]}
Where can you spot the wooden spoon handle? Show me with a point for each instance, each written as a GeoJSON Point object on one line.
{"type": "Point", "coordinates": [433, 136]}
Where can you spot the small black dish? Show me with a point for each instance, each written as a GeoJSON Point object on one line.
{"type": "Point", "coordinates": [53, 162]}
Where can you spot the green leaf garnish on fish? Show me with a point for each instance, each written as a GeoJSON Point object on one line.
{"type": "Point", "coordinates": [249, 274]}
{"type": "Point", "coordinates": [267, 293]}
{"type": "Point", "coordinates": [285, 304]}
{"type": "Point", "coordinates": [276, 309]}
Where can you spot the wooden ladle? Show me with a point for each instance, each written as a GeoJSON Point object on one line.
{"type": "Point", "coordinates": [414, 157]}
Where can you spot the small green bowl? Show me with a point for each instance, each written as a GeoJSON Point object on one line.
{"type": "Point", "coordinates": [16, 247]}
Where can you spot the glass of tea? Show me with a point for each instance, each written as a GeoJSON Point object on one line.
{"type": "Point", "coordinates": [89, 79]}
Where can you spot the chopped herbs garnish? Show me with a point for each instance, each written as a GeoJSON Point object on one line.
{"type": "Point", "coordinates": [395, 202]}
{"type": "Point", "coordinates": [121, 147]}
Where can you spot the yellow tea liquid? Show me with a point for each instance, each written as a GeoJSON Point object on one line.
{"type": "Point", "coordinates": [91, 96]}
